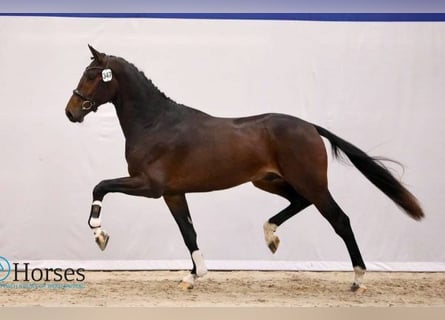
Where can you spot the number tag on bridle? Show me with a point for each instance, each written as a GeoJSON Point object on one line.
{"type": "Point", "coordinates": [107, 75]}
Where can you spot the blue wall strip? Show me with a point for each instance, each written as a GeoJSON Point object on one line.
{"type": "Point", "coordinates": [395, 17]}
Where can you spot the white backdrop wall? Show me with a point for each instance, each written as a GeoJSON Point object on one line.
{"type": "Point", "coordinates": [378, 85]}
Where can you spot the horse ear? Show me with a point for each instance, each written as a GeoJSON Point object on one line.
{"type": "Point", "coordinates": [96, 54]}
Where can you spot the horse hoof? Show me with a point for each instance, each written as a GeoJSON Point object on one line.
{"type": "Point", "coordinates": [272, 240]}
{"type": "Point", "coordinates": [102, 240]}
{"type": "Point", "coordinates": [188, 282]}
{"type": "Point", "coordinates": [185, 285]}
{"type": "Point", "coordinates": [358, 288]}
{"type": "Point", "coordinates": [273, 245]}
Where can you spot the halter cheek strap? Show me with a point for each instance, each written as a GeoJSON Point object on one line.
{"type": "Point", "coordinates": [88, 102]}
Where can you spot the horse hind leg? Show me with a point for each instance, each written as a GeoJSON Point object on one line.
{"type": "Point", "coordinates": [342, 226]}
{"type": "Point", "coordinates": [305, 169]}
{"type": "Point", "coordinates": [278, 186]}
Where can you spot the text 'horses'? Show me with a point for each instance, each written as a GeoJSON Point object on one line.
{"type": "Point", "coordinates": [172, 150]}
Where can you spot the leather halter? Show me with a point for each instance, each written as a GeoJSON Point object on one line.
{"type": "Point", "coordinates": [88, 102]}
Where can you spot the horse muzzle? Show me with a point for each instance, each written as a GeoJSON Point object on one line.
{"type": "Point", "coordinates": [74, 110]}
{"type": "Point", "coordinates": [72, 117]}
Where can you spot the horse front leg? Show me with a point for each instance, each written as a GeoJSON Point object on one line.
{"type": "Point", "coordinates": [137, 185]}
{"type": "Point", "coordinates": [179, 209]}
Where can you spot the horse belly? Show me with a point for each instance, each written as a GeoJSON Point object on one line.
{"type": "Point", "coordinates": [226, 164]}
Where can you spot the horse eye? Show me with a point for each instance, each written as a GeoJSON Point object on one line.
{"type": "Point", "coordinates": [91, 74]}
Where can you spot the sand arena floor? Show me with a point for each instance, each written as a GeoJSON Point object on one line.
{"type": "Point", "coordinates": [236, 288]}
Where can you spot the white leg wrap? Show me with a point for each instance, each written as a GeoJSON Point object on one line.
{"type": "Point", "coordinates": [97, 203]}
{"type": "Point", "coordinates": [95, 222]}
{"type": "Point", "coordinates": [269, 230]}
{"type": "Point", "coordinates": [201, 268]}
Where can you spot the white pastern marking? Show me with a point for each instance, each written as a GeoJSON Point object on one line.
{"type": "Point", "coordinates": [190, 278]}
{"type": "Point", "coordinates": [359, 274]}
{"type": "Point", "coordinates": [201, 268]}
{"type": "Point", "coordinates": [97, 232]}
{"type": "Point", "coordinates": [269, 230]}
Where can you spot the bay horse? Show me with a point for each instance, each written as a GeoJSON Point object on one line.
{"type": "Point", "coordinates": [172, 149]}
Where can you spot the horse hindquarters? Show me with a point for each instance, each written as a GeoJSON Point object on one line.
{"type": "Point", "coordinates": [302, 158]}
{"type": "Point", "coordinates": [300, 155]}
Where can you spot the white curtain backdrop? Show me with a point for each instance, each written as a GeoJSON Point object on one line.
{"type": "Point", "coordinates": [378, 85]}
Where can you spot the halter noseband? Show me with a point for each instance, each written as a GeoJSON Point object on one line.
{"type": "Point", "coordinates": [88, 102]}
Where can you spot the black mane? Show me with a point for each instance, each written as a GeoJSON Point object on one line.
{"type": "Point", "coordinates": [148, 82]}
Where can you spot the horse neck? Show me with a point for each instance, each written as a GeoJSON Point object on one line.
{"type": "Point", "coordinates": [139, 104]}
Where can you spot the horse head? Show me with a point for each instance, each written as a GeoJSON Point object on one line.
{"type": "Point", "coordinates": [96, 87]}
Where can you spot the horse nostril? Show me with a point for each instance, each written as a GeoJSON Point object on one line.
{"type": "Point", "coordinates": [69, 115]}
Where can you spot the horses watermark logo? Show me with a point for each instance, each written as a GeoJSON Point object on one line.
{"type": "Point", "coordinates": [5, 268]}
{"type": "Point", "coordinates": [23, 276]}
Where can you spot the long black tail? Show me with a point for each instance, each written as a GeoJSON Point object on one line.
{"type": "Point", "coordinates": [376, 172]}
